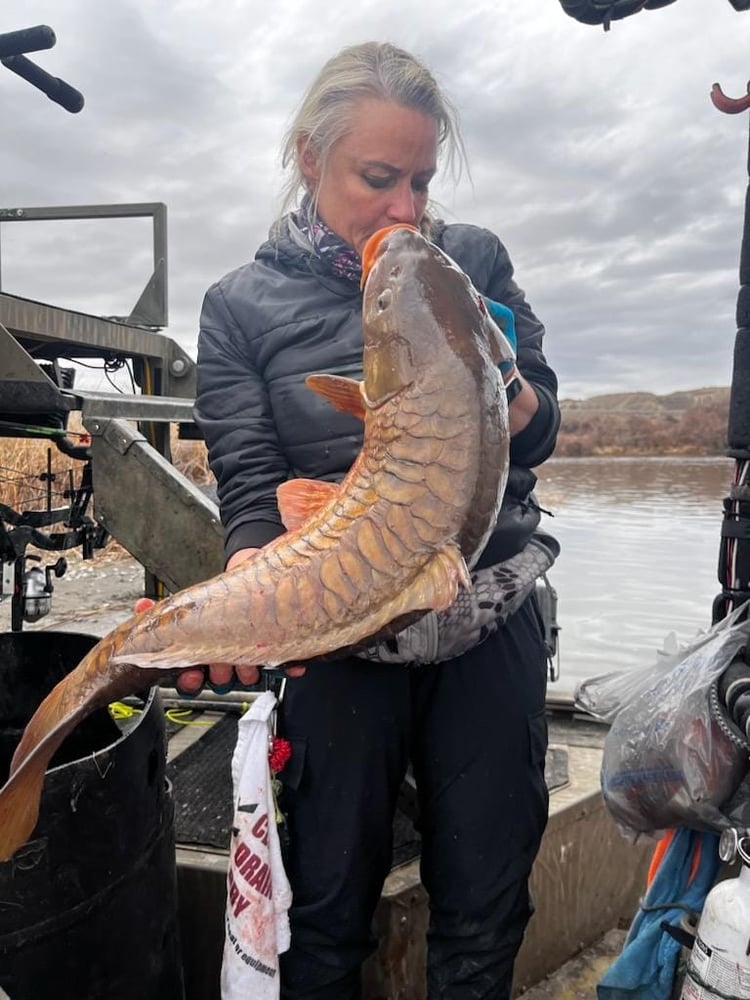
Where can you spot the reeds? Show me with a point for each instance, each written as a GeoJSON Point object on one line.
{"type": "Point", "coordinates": [36, 476]}
{"type": "Point", "coordinates": [191, 458]}
{"type": "Point", "coordinates": [33, 471]}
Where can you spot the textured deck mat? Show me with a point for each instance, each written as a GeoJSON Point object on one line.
{"type": "Point", "coordinates": [201, 779]}
{"type": "Point", "coordinates": [202, 786]}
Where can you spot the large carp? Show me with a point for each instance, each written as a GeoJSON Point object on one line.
{"type": "Point", "coordinates": [396, 537]}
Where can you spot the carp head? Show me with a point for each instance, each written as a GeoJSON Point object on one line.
{"type": "Point", "coordinates": [418, 302]}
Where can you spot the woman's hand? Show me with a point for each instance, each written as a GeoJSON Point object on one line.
{"type": "Point", "coordinates": [221, 676]}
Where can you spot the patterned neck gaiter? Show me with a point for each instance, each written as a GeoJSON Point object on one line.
{"type": "Point", "coordinates": [342, 259]}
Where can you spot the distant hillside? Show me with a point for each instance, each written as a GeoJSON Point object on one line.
{"type": "Point", "coordinates": [692, 422]}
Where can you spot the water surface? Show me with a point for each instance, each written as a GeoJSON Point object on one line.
{"type": "Point", "coordinates": [640, 548]}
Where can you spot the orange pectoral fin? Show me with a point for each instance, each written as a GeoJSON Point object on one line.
{"type": "Point", "coordinates": [299, 499]}
{"type": "Point", "coordinates": [343, 393]}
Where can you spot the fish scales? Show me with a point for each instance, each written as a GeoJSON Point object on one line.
{"type": "Point", "coordinates": [392, 541]}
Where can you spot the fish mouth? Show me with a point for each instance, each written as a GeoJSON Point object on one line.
{"type": "Point", "coordinates": [370, 251]}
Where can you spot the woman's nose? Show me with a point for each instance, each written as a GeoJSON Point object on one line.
{"type": "Point", "coordinates": [402, 207]}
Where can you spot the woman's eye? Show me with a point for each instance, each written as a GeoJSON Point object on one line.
{"type": "Point", "coordinates": [379, 183]}
{"type": "Point", "coordinates": [422, 187]}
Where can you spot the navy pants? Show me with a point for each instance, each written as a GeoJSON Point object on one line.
{"type": "Point", "coordinates": [474, 730]}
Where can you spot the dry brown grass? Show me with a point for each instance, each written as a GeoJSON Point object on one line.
{"type": "Point", "coordinates": [34, 474]}
{"type": "Point", "coordinates": [191, 458]}
{"type": "Point", "coordinates": [24, 469]}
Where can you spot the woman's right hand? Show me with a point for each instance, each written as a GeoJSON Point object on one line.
{"type": "Point", "coordinates": [222, 676]}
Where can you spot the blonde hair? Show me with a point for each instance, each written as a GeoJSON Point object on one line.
{"type": "Point", "coordinates": [370, 70]}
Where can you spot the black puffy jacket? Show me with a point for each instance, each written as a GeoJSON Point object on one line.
{"type": "Point", "coordinates": [268, 324]}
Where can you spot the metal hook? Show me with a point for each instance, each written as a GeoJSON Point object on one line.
{"type": "Point", "coordinates": [729, 105]}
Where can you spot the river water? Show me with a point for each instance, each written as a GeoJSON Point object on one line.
{"type": "Point", "coordinates": [640, 547]}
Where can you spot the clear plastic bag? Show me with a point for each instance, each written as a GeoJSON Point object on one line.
{"type": "Point", "coordinates": [669, 759]}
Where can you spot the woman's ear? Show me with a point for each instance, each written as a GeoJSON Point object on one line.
{"type": "Point", "coordinates": [309, 162]}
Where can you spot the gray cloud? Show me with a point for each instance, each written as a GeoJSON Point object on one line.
{"type": "Point", "coordinates": [598, 158]}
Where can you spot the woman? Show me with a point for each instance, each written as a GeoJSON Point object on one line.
{"type": "Point", "coordinates": [363, 149]}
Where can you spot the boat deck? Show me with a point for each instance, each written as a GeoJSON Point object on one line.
{"type": "Point", "coordinates": [577, 978]}
{"type": "Point", "coordinates": [586, 882]}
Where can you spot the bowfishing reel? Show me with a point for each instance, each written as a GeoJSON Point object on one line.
{"type": "Point", "coordinates": [30, 587]}
{"type": "Point", "coordinates": [37, 587]}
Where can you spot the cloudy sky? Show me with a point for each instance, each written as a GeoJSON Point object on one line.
{"type": "Point", "coordinates": [597, 157]}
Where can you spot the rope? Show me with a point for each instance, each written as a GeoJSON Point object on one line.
{"type": "Point", "coordinates": [180, 716]}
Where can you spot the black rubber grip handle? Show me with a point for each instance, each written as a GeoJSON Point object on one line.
{"type": "Point", "coordinates": [13, 43]}
{"type": "Point", "coordinates": [739, 399]}
{"type": "Point", "coordinates": [57, 90]}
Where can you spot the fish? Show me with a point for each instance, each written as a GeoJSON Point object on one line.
{"type": "Point", "coordinates": [394, 539]}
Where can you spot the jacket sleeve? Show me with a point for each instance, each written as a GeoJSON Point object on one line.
{"type": "Point", "coordinates": [233, 411]}
{"type": "Point", "coordinates": [536, 442]}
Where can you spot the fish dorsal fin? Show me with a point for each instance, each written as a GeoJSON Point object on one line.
{"type": "Point", "coordinates": [299, 499]}
{"type": "Point", "coordinates": [343, 393]}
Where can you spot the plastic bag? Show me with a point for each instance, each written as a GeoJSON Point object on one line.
{"type": "Point", "coordinates": [604, 695]}
{"type": "Point", "coordinates": [670, 759]}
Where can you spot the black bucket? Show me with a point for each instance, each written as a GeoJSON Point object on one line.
{"type": "Point", "coordinates": [88, 907]}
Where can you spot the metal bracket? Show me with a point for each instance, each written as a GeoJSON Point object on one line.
{"type": "Point", "coordinates": [151, 308]}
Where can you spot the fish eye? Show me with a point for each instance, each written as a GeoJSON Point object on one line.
{"type": "Point", "coordinates": [384, 299]}
{"type": "Point", "coordinates": [395, 271]}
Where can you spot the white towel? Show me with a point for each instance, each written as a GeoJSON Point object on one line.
{"type": "Point", "coordinates": [258, 892]}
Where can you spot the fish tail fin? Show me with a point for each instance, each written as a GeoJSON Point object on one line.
{"type": "Point", "coordinates": [82, 691]}
{"type": "Point", "coordinates": [58, 714]}
{"type": "Point", "coordinates": [19, 805]}
{"type": "Point", "coordinates": [46, 730]}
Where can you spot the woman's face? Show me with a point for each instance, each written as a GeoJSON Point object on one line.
{"type": "Point", "coordinates": [378, 173]}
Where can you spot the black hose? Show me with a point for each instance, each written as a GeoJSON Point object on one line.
{"type": "Point", "coordinates": [733, 693]}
